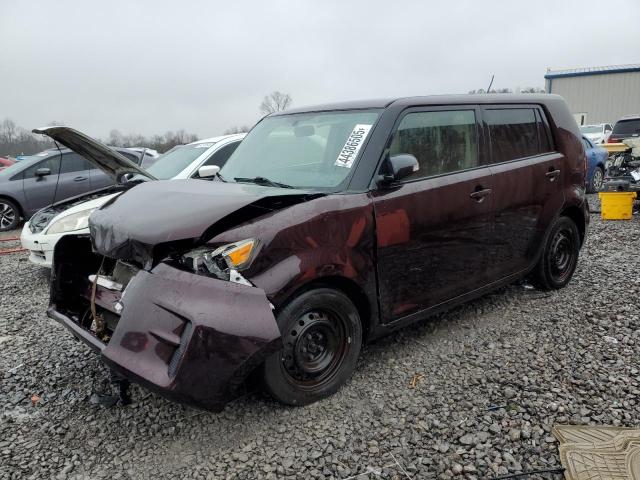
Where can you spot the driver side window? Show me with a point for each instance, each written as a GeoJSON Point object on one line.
{"type": "Point", "coordinates": [442, 141]}
{"type": "Point", "coordinates": [52, 163]}
{"type": "Point", "coordinates": [221, 156]}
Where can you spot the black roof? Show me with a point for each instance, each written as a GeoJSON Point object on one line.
{"type": "Point", "coordinates": [460, 99]}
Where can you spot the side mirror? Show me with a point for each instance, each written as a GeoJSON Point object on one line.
{"type": "Point", "coordinates": [43, 172]}
{"type": "Point", "coordinates": [207, 171]}
{"type": "Point", "coordinates": [400, 166]}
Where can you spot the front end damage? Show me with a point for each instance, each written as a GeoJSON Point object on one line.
{"type": "Point", "coordinates": [189, 337]}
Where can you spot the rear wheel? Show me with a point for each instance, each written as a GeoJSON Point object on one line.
{"type": "Point", "coordinates": [595, 184]}
{"type": "Point", "coordinates": [322, 336]}
{"type": "Point", "coordinates": [9, 215]}
{"type": "Point", "coordinates": [560, 256]}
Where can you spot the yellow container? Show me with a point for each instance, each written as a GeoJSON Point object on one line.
{"type": "Point", "coordinates": [616, 205]}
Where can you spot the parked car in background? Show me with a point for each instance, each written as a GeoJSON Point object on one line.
{"type": "Point", "coordinates": [596, 161]}
{"type": "Point", "coordinates": [598, 133]}
{"type": "Point", "coordinates": [626, 127]}
{"type": "Point", "coordinates": [328, 226]}
{"type": "Point", "coordinates": [150, 155]}
{"type": "Point", "coordinates": [40, 234]}
{"type": "Point", "coordinates": [5, 162]}
{"type": "Point", "coordinates": [45, 178]}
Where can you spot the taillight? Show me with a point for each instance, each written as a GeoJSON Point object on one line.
{"type": "Point", "coordinates": [585, 166]}
{"type": "Point", "coordinates": [615, 140]}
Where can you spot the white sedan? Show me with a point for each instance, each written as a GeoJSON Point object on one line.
{"type": "Point", "coordinates": [41, 233]}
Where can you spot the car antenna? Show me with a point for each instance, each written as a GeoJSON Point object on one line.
{"type": "Point", "coordinates": [490, 84]}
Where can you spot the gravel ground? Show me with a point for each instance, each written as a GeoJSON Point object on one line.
{"type": "Point", "coordinates": [491, 379]}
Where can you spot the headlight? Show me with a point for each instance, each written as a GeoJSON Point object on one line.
{"type": "Point", "coordinates": [75, 221]}
{"type": "Point", "coordinates": [221, 261]}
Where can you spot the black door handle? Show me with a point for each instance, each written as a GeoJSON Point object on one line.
{"type": "Point", "coordinates": [479, 194]}
{"type": "Point", "coordinates": [552, 174]}
{"type": "Point", "coordinates": [79, 179]}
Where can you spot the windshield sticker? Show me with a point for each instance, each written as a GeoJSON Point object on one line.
{"type": "Point", "coordinates": [352, 146]}
{"type": "Point", "coordinates": [203, 145]}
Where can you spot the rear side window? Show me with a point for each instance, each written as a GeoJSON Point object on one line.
{"type": "Point", "coordinates": [514, 133]}
{"type": "Point", "coordinates": [72, 162]}
{"type": "Point", "coordinates": [627, 127]}
{"type": "Point", "coordinates": [442, 141]}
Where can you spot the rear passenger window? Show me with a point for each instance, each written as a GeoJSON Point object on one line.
{"type": "Point", "coordinates": [72, 162]}
{"type": "Point", "coordinates": [442, 141]}
{"type": "Point", "coordinates": [514, 133]}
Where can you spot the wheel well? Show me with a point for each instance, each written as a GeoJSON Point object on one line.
{"type": "Point", "coordinates": [15, 202]}
{"type": "Point", "coordinates": [575, 214]}
{"type": "Point", "coordinates": [350, 289]}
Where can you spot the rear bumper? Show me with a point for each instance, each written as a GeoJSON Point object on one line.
{"type": "Point", "coordinates": [190, 338]}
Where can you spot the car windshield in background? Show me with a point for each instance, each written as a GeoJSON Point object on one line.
{"type": "Point", "coordinates": [173, 162]}
{"type": "Point", "coordinates": [305, 150]}
{"type": "Point", "coordinates": [591, 129]}
{"type": "Point", "coordinates": [627, 127]}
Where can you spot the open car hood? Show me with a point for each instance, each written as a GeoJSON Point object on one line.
{"type": "Point", "coordinates": [109, 161]}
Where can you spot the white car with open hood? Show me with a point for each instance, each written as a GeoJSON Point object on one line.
{"type": "Point", "coordinates": [200, 159]}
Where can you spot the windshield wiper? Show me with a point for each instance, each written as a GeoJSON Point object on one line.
{"type": "Point", "coordinates": [262, 181]}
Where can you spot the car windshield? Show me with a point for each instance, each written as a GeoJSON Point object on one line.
{"type": "Point", "coordinates": [303, 150]}
{"type": "Point", "coordinates": [591, 129]}
{"type": "Point", "coordinates": [174, 161]}
{"type": "Point", "coordinates": [627, 127]}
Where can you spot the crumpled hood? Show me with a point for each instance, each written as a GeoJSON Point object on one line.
{"type": "Point", "coordinates": [154, 219]}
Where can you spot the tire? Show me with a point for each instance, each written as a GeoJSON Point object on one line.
{"type": "Point", "coordinates": [9, 215]}
{"type": "Point", "coordinates": [559, 257]}
{"type": "Point", "coordinates": [322, 336]}
{"type": "Point", "coordinates": [595, 183]}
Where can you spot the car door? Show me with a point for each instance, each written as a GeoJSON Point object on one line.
{"type": "Point", "coordinates": [432, 228]}
{"type": "Point", "coordinates": [527, 175]}
{"type": "Point", "coordinates": [40, 190]}
{"type": "Point", "coordinates": [74, 176]}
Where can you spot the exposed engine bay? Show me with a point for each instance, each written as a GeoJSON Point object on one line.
{"type": "Point", "coordinates": [623, 169]}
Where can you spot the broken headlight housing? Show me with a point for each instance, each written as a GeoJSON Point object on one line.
{"type": "Point", "coordinates": [223, 262]}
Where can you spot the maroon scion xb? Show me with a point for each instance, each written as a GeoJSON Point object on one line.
{"type": "Point", "coordinates": [327, 227]}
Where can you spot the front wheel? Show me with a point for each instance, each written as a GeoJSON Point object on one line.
{"type": "Point", "coordinates": [322, 336]}
{"type": "Point", "coordinates": [9, 215]}
{"type": "Point", "coordinates": [559, 257]}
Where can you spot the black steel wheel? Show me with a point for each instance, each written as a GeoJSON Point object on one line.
{"type": "Point", "coordinates": [9, 215]}
{"type": "Point", "coordinates": [322, 336]}
{"type": "Point", "coordinates": [559, 257]}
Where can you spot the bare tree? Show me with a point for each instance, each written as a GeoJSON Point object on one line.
{"type": "Point", "coordinates": [532, 90]}
{"type": "Point", "coordinates": [8, 131]}
{"type": "Point", "coordinates": [275, 102]}
{"type": "Point", "coordinates": [232, 130]}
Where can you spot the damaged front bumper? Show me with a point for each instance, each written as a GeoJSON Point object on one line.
{"type": "Point", "coordinates": [191, 338]}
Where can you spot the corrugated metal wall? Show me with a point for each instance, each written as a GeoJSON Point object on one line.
{"type": "Point", "coordinates": [604, 98]}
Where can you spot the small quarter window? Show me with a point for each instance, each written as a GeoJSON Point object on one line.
{"type": "Point", "coordinates": [442, 141]}
{"type": "Point", "coordinates": [514, 133]}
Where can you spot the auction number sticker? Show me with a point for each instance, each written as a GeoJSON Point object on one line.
{"type": "Point", "coordinates": [352, 146]}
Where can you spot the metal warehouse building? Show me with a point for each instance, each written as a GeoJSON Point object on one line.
{"type": "Point", "coordinates": [598, 94]}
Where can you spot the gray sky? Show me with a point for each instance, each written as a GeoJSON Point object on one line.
{"type": "Point", "coordinates": [151, 66]}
